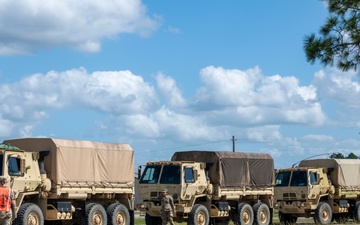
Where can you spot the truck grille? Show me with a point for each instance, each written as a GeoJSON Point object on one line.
{"type": "Point", "coordinates": [289, 196]}
{"type": "Point", "coordinates": [154, 194]}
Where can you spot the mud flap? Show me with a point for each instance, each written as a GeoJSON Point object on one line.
{"type": "Point", "coordinates": [271, 215]}
{"type": "Point", "coordinates": [132, 218]}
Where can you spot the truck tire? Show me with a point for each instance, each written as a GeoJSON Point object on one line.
{"type": "Point", "coordinates": [261, 214]}
{"type": "Point", "coordinates": [357, 212]}
{"type": "Point", "coordinates": [151, 220]}
{"type": "Point", "coordinates": [246, 214]}
{"type": "Point", "coordinates": [118, 214]}
{"type": "Point", "coordinates": [323, 213]}
{"type": "Point", "coordinates": [199, 215]}
{"type": "Point", "coordinates": [29, 213]}
{"type": "Point", "coordinates": [94, 215]}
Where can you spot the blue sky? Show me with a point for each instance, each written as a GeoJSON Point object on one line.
{"type": "Point", "coordinates": [175, 75]}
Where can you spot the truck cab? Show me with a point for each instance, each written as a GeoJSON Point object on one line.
{"type": "Point", "coordinates": [183, 180]}
{"type": "Point", "coordinates": [21, 167]}
{"type": "Point", "coordinates": [299, 190]}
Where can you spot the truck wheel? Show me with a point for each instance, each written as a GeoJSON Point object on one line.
{"type": "Point", "coordinates": [29, 213]}
{"type": "Point", "coordinates": [151, 220]}
{"type": "Point", "coordinates": [246, 214]}
{"type": "Point", "coordinates": [199, 215]}
{"type": "Point", "coordinates": [261, 214]}
{"type": "Point", "coordinates": [94, 215]}
{"type": "Point", "coordinates": [323, 213]}
{"type": "Point", "coordinates": [357, 212]}
{"type": "Point", "coordinates": [117, 214]}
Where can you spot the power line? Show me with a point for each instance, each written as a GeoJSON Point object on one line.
{"type": "Point", "coordinates": [233, 139]}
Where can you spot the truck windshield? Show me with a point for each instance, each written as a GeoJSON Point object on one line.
{"type": "Point", "coordinates": [299, 178]}
{"type": "Point", "coordinates": [170, 175]}
{"type": "Point", "coordinates": [150, 175]}
{"type": "Point", "coordinates": [282, 179]}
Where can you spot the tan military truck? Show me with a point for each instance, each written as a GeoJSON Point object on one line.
{"type": "Point", "coordinates": [69, 182]}
{"type": "Point", "coordinates": [325, 189]}
{"type": "Point", "coordinates": [210, 188]}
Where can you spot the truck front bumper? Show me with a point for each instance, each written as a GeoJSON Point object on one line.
{"type": "Point", "coordinates": [150, 208]}
{"type": "Point", "coordinates": [295, 207]}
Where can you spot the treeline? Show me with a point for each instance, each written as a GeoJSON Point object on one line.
{"type": "Point", "coordinates": [341, 156]}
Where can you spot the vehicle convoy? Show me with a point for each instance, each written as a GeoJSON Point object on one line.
{"type": "Point", "coordinates": [210, 188]}
{"type": "Point", "coordinates": [69, 182]}
{"type": "Point", "coordinates": [325, 189]}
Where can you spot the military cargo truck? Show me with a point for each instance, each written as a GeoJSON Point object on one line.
{"type": "Point", "coordinates": [325, 189]}
{"type": "Point", "coordinates": [69, 182]}
{"type": "Point", "coordinates": [210, 188]}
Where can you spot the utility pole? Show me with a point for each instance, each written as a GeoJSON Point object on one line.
{"type": "Point", "coordinates": [233, 142]}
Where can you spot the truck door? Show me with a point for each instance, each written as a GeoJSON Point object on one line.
{"type": "Point", "coordinates": [12, 169]}
{"type": "Point", "coordinates": [314, 189]}
{"type": "Point", "coordinates": [189, 185]}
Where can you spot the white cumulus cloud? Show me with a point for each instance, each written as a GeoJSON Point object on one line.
{"type": "Point", "coordinates": [116, 92]}
{"type": "Point", "coordinates": [252, 98]}
{"type": "Point", "coordinates": [169, 90]}
{"type": "Point", "coordinates": [28, 25]}
{"type": "Point", "coordinates": [342, 87]}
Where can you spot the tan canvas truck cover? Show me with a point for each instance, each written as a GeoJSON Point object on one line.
{"type": "Point", "coordinates": [346, 172]}
{"type": "Point", "coordinates": [73, 162]}
{"type": "Point", "coordinates": [233, 169]}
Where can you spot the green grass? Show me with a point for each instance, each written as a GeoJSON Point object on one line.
{"type": "Point", "coordinates": [140, 220]}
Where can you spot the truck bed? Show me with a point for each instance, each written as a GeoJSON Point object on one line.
{"type": "Point", "coordinates": [84, 165]}
{"type": "Point", "coordinates": [233, 169]}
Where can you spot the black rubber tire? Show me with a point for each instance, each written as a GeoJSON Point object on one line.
{"type": "Point", "coordinates": [199, 215]}
{"type": "Point", "coordinates": [95, 214]}
{"type": "Point", "coordinates": [323, 214]}
{"type": "Point", "coordinates": [151, 220]}
{"type": "Point", "coordinates": [356, 212]}
{"type": "Point", "coordinates": [246, 214]}
{"type": "Point", "coordinates": [27, 212]}
{"type": "Point", "coordinates": [118, 214]}
{"type": "Point", "coordinates": [261, 214]}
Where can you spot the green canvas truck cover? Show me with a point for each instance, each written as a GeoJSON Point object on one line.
{"type": "Point", "coordinates": [346, 173]}
{"type": "Point", "coordinates": [72, 162]}
{"type": "Point", "coordinates": [233, 169]}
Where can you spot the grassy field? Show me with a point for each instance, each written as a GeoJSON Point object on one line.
{"type": "Point", "coordinates": [140, 220]}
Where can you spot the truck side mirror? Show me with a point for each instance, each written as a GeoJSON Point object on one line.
{"type": "Point", "coordinates": [35, 155]}
{"type": "Point", "coordinates": [139, 173]}
{"type": "Point", "coordinates": [22, 166]}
